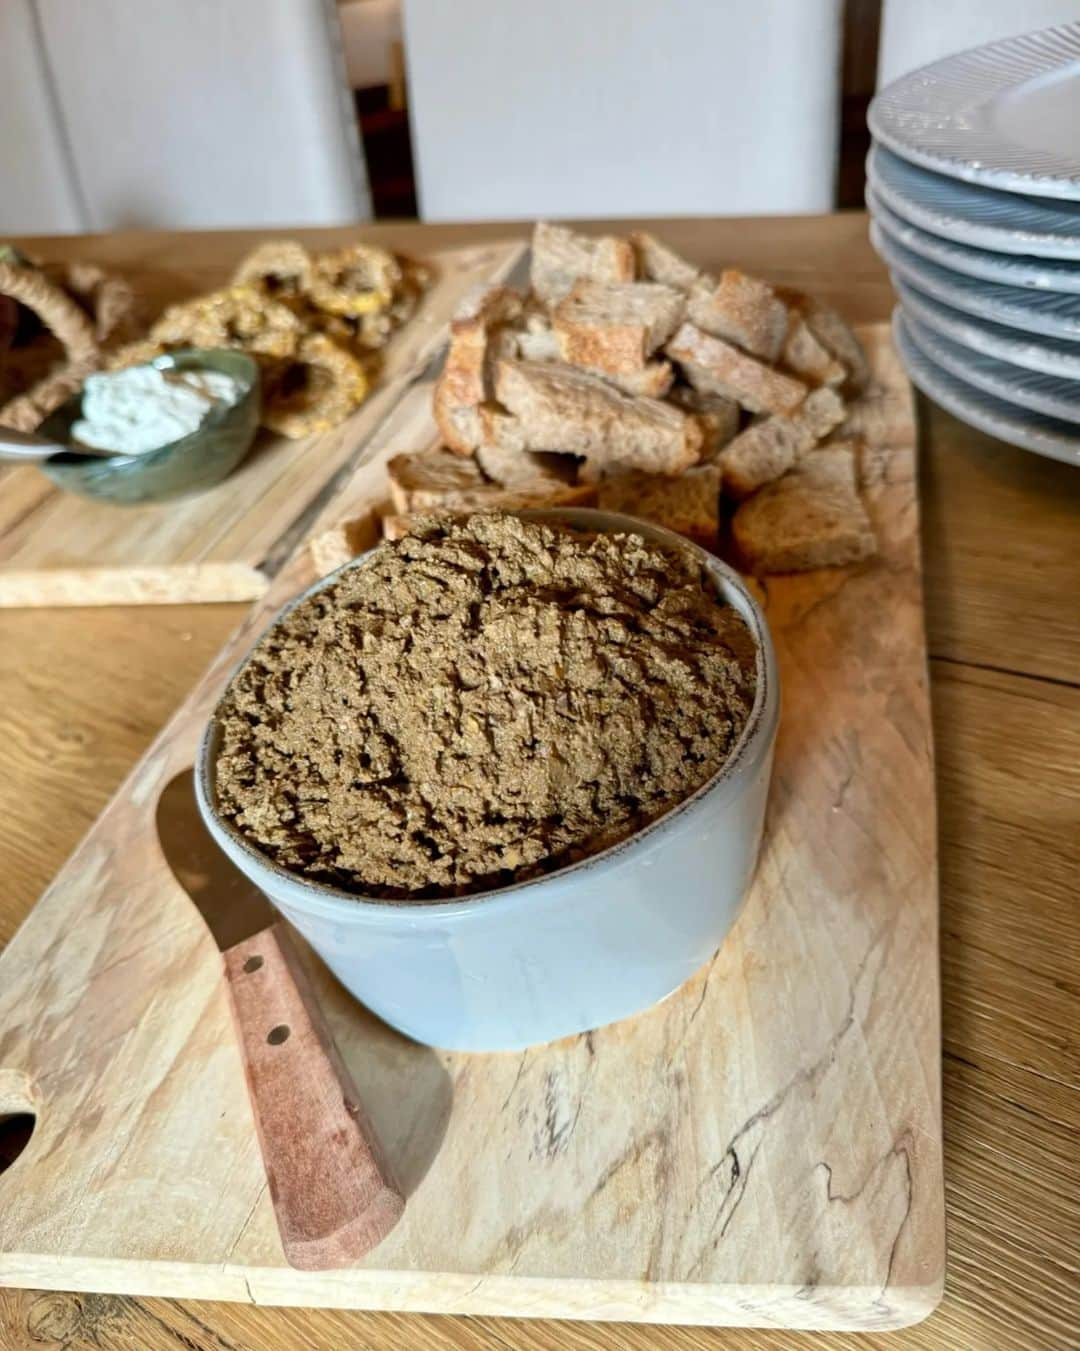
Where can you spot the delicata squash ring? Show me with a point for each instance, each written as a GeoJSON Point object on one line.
{"type": "Point", "coordinates": [280, 267]}
{"type": "Point", "coordinates": [353, 281]}
{"type": "Point", "coordinates": [314, 392]}
{"type": "Point", "coordinates": [239, 316]}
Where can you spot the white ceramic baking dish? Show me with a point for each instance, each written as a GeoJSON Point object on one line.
{"type": "Point", "coordinates": [565, 952]}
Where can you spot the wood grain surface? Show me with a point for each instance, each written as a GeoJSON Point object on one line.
{"type": "Point", "coordinates": [81, 694]}
{"type": "Point", "coordinates": [223, 544]}
{"type": "Point", "coordinates": [762, 1148]}
{"type": "Point", "coordinates": [334, 1196]}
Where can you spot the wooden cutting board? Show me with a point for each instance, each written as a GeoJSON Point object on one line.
{"type": "Point", "coordinates": [225, 544]}
{"type": "Point", "coordinates": [762, 1148]}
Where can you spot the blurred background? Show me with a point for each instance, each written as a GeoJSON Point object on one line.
{"type": "Point", "coordinates": [203, 114]}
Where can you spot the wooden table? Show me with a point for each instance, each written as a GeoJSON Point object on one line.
{"type": "Point", "coordinates": [82, 692]}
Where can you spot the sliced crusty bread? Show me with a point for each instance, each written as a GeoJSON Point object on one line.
{"type": "Point", "coordinates": [426, 478]}
{"type": "Point", "coordinates": [396, 525]}
{"type": "Point", "coordinates": [485, 309]}
{"type": "Point", "coordinates": [498, 430]}
{"type": "Point", "coordinates": [652, 381]}
{"type": "Point", "coordinates": [537, 341]}
{"type": "Point", "coordinates": [768, 448]}
{"type": "Point", "coordinates": [717, 416]}
{"type": "Point", "coordinates": [742, 310]}
{"type": "Point", "coordinates": [834, 332]}
{"type": "Point", "coordinates": [483, 306]}
{"type": "Point", "coordinates": [616, 328]}
{"type": "Point", "coordinates": [509, 466]}
{"type": "Point", "coordinates": [564, 409]}
{"type": "Point", "coordinates": [560, 256]}
{"type": "Point", "coordinates": [689, 504]}
{"type": "Point", "coordinates": [657, 262]}
{"type": "Point", "coordinates": [478, 335]}
{"type": "Point", "coordinates": [333, 548]}
{"type": "Point", "coordinates": [460, 426]}
{"type": "Point", "coordinates": [807, 357]}
{"type": "Point", "coordinates": [810, 518]}
{"type": "Point", "coordinates": [525, 497]}
{"type": "Point", "coordinates": [714, 366]}
{"type": "Point", "coordinates": [475, 425]}
{"type": "Point", "coordinates": [882, 416]}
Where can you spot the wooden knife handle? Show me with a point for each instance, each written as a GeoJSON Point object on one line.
{"type": "Point", "coordinates": [334, 1195]}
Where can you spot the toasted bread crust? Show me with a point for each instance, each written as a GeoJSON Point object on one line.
{"type": "Point", "coordinates": [426, 478]}
{"type": "Point", "coordinates": [616, 328]}
{"type": "Point", "coordinates": [807, 357]}
{"type": "Point", "coordinates": [810, 518]}
{"type": "Point", "coordinates": [835, 334]}
{"type": "Point", "coordinates": [564, 409]}
{"type": "Point", "coordinates": [742, 310]}
{"type": "Point", "coordinates": [689, 504]}
{"type": "Point", "coordinates": [770, 447]}
{"type": "Point", "coordinates": [717, 416]}
{"type": "Point", "coordinates": [656, 261]}
{"type": "Point", "coordinates": [714, 366]}
{"type": "Point", "coordinates": [477, 337]}
{"type": "Point", "coordinates": [560, 256]}
{"type": "Point", "coordinates": [493, 498]}
{"type": "Point", "coordinates": [334, 548]}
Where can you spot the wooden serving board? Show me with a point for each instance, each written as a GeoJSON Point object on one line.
{"type": "Point", "coordinates": [224, 544]}
{"type": "Point", "coordinates": [762, 1148]}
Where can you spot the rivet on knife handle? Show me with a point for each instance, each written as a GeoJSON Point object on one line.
{"type": "Point", "coordinates": [334, 1195]}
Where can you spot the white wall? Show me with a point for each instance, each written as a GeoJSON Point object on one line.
{"type": "Point", "coordinates": [37, 193]}
{"type": "Point", "coordinates": [525, 108]}
{"type": "Point", "coordinates": [202, 113]}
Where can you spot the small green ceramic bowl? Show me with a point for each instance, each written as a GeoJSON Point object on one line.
{"type": "Point", "coordinates": [186, 466]}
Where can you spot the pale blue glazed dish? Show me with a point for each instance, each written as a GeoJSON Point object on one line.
{"type": "Point", "coordinates": [190, 465]}
{"type": "Point", "coordinates": [564, 952]}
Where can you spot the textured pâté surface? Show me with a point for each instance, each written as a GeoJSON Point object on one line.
{"type": "Point", "coordinates": [482, 701]}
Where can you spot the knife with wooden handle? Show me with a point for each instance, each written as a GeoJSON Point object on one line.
{"type": "Point", "coordinates": [333, 1191]}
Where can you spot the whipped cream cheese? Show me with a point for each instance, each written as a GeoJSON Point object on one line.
{"type": "Point", "coordinates": [142, 408]}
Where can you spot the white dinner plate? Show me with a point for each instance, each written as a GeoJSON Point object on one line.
{"type": "Point", "coordinates": [1006, 115]}
{"type": "Point", "coordinates": [1049, 312]}
{"type": "Point", "coordinates": [1016, 426]}
{"type": "Point", "coordinates": [1004, 221]}
{"type": "Point", "coordinates": [1008, 269]}
{"type": "Point", "coordinates": [1049, 356]}
{"type": "Point", "coordinates": [1041, 393]}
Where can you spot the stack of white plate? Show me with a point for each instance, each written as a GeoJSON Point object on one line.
{"type": "Point", "coordinates": [973, 183]}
